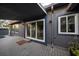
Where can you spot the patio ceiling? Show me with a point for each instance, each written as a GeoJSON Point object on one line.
{"type": "Point", "coordinates": [21, 11]}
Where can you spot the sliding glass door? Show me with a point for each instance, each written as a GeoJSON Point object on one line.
{"type": "Point", "coordinates": [36, 30]}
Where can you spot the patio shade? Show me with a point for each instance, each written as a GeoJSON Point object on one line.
{"type": "Point", "coordinates": [21, 11]}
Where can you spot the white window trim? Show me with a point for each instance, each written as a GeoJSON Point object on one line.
{"type": "Point", "coordinates": [76, 25]}
{"type": "Point", "coordinates": [36, 31]}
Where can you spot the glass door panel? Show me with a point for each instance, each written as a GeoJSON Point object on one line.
{"type": "Point", "coordinates": [40, 30]}
{"type": "Point", "coordinates": [33, 30]}
{"type": "Point", "coordinates": [28, 30]}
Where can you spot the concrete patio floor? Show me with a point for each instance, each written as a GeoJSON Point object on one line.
{"type": "Point", "coordinates": [9, 47]}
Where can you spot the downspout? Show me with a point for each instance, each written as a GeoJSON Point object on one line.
{"type": "Point", "coordinates": [52, 27]}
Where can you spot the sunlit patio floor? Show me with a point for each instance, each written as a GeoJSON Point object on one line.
{"type": "Point", "coordinates": [9, 47]}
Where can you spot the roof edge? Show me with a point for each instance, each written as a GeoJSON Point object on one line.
{"type": "Point", "coordinates": [55, 6]}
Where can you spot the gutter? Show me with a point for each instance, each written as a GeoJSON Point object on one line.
{"type": "Point", "coordinates": [55, 6]}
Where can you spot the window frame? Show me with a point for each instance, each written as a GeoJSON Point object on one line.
{"type": "Point", "coordinates": [76, 24]}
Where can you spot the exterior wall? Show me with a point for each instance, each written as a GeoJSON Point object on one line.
{"type": "Point", "coordinates": [60, 39]}
{"type": "Point", "coordinates": [20, 31]}
{"type": "Point", "coordinates": [48, 28]}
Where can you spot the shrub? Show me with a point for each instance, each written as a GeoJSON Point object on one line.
{"type": "Point", "coordinates": [74, 48]}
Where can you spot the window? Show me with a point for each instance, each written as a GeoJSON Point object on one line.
{"type": "Point", "coordinates": [63, 24]}
{"type": "Point", "coordinates": [36, 30]}
{"type": "Point", "coordinates": [68, 24]}
{"type": "Point", "coordinates": [71, 24]}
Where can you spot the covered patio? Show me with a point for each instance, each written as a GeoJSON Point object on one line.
{"type": "Point", "coordinates": [9, 47]}
{"type": "Point", "coordinates": [24, 13]}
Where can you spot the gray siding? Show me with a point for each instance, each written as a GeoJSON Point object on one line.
{"type": "Point", "coordinates": [20, 31]}
{"type": "Point", "coordinates": [60, 39]}
{"type": "Point", "coordinates": [48, 28]}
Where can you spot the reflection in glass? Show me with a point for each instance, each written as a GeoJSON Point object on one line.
{"type": "Point", "coordinates": [28, 30]}
{"type": "Point", "coordinates": [40, 30]}
{"type": "Point", "coordinates": [71, 24]}
{"type": "Point", "coordinates": [63, 24]}
{"type": "Point", "coordinates": [33, 29]}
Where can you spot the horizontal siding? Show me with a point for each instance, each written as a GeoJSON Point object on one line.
{"type": "Point", "coordinates": [60, 39]}
{"type": "Point", "coordinates": [20, 31]}
{"type": "Point", "coordinates": [48, 28]}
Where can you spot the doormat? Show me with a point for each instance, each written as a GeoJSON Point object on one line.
{"type": "Point", "coordinates": [21, 42]}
